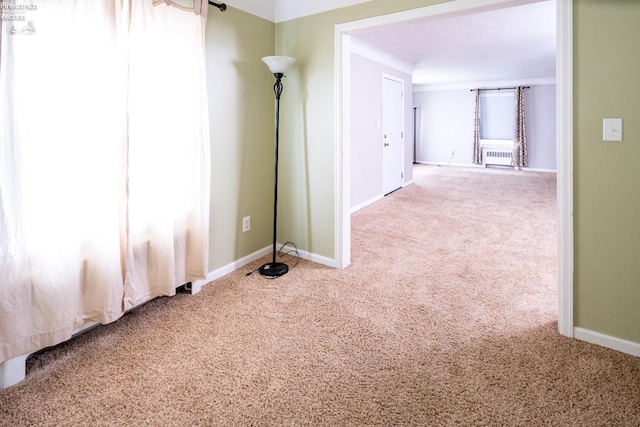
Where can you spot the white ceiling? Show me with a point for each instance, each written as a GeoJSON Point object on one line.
{"type": "Point", "coordinates": [515, 45]}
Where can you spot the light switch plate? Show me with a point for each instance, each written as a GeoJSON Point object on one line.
{"type": "Point", "coordinates": [612, 129]}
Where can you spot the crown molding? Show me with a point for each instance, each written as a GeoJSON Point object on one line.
{"type": "Point", "coordinates": [286, 10]}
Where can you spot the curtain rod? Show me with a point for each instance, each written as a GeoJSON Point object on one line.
{"type": "Point", "coordinates": [220, 6]}
{"type": "Point", "coordinates": [500, 88]}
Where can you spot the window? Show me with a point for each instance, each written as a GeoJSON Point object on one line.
{"type": "Point", "coordinates": [496, 116]}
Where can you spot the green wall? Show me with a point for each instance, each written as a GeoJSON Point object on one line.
{"type": "Point", "coordinates": [606, 179]}
{"type": "Point", "coordinates": [308, 156]}
{"type": "Point", "coordinates": [607, 174]}
{"type": "Point", "coordinates": [607, 237]}
{"type": "Point", "coordinates": [241, 111]}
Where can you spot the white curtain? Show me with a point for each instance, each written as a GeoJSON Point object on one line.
{"type": "Point", "coordinates": [104, 164]}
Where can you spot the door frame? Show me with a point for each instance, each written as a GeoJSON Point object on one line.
{"type": "Point", "coordinates": [564, 133]}
{"type": "Point", "coordinates": [393, 78]}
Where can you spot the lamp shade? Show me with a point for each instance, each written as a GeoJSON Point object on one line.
{"type": "Point", "coordinates": [278, 64]}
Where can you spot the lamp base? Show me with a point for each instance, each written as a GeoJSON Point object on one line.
{"type": "Point", "coordinates": [274, 269]}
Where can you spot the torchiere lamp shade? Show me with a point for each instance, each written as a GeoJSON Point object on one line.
{"type": "Point", "coordinates": [278, 64]}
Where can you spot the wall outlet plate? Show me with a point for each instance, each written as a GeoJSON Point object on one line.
{"type": "Point", "coordinates": [246, 224]}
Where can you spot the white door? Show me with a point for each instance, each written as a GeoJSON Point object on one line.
{"type": "Point", "coordinates": [392, 134]}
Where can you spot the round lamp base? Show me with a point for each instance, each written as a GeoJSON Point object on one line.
{"type": "Point", "coordinates": [273, 269]}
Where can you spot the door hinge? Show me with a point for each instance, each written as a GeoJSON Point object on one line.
{"type": "Point", "coordinates": [402, 175]}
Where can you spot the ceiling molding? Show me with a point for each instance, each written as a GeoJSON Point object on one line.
{"type": "Point", "coordinates": [286, 10]}
{"type": "Point", "coordinates": [370, 52]}
{"type": "Point", "coordinates": [485, 84]}
{"type": "Point", "coordinates": [264, 9]}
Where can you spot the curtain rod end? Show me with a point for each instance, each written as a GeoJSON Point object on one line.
{"type": "Point", "coordinates": [220, 6]}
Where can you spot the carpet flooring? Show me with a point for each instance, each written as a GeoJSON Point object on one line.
{"type": "Point", "coordinates": [446, 316]}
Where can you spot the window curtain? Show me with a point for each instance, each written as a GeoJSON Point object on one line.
{"type": "Point", "coordinates": [519, 156]}
{"type": "Point", "coordinates": [104, 165]}
{"type": "Point", "coordinates": [477, 152]}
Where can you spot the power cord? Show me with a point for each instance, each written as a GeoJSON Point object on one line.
{"type": "Point", "coordinates": [450, 158]}
{"type": "Point", "coordinates": [292, 252]}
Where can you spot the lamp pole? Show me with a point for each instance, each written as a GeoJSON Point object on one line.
{"type": "Point", "coordinates": [278, 65]}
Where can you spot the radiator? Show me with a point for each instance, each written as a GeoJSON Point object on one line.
{"type": "Point", "coordinates": [492, 156]}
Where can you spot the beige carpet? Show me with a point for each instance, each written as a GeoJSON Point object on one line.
{"type": "Point", "coordinates": [447, 316]}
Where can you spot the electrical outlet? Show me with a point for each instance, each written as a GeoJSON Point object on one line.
{"type": "Point", "coordinates": [246, 224]}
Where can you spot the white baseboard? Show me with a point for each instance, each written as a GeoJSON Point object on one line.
{"type": "Point", "coordinates": [367, 203]}
{"type": "Point", "coordinates": [319, 259]}
{"type": "Point", "coordinates": [540, 170]}
{"type": "Point", "coordinates": [624, 346]}
{"type": "Point", "coordinates": [373, 200]}
{"type": "Point", "coordinates": [466, 165]}
{"type": "Point", "coordinates": [13, 371]}
{"type": "Point", "coordinates": [197, 285]}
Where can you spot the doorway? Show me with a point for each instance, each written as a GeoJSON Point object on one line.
{"type": "Point", "coordinates": [564, 84]}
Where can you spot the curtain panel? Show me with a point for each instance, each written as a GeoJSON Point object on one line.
{"type": "Point", "coordinates": [104, 165]}
{"type": "Point", "coordinates": [477, 152]}
{"type": "Point", "coordinates": [519, 156]}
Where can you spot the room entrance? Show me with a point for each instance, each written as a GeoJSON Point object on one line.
{"type": "Point", "coordinates": [564, 134]}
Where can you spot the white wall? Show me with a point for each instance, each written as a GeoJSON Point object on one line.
{"type": "Point", "coordinates": [445, 125]}
{"type": "Point", "coordinates": [366, 128]}
{"type": "Point", "coordinates": [540, 116]}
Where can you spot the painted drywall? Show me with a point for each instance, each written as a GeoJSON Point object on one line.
{"type": "Point", "coordinates": [540, 120]}
{"type": "Point", "coordinates": [366, 128]}
{"type": "Point", "coordinates": [241, 114]}
{"type": "Point", "coordinates": [607, 174]}
{"type": "Point", "coordinates": [606, 201]}
{"type": "Point", "coordinates": [308, 208]}
{"type": "Point", "coordinates": [445, 126]}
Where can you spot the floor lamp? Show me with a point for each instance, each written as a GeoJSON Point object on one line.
{"type": "Point", "coordinates": [278, 66]}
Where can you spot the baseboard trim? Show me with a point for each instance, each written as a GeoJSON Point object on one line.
{"type": "Point", "coordinates": [618, 344]}
{"type": "Point", "coordinates": [319, 259]}
{"type": "Point", "coordinates": [13, 371]}
{"type": "Point", "coordinates": [197, 285]}
{"type": "Point", "coordinates": [371, 201]}
{"type": "Point", "coordinates": [540, 170]}
{"type": "Point", "coordinates": [367, 203]}
{"type": "Point", "coordinates": [466, 165]}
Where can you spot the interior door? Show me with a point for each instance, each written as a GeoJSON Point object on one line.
{"type": "Point", "coordinates": [392, 134]}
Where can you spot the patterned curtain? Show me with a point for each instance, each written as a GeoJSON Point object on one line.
{"type": "Point", "coordinates": [477, 153]}
{"type": "Point", "coordinates": [519, 157]}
